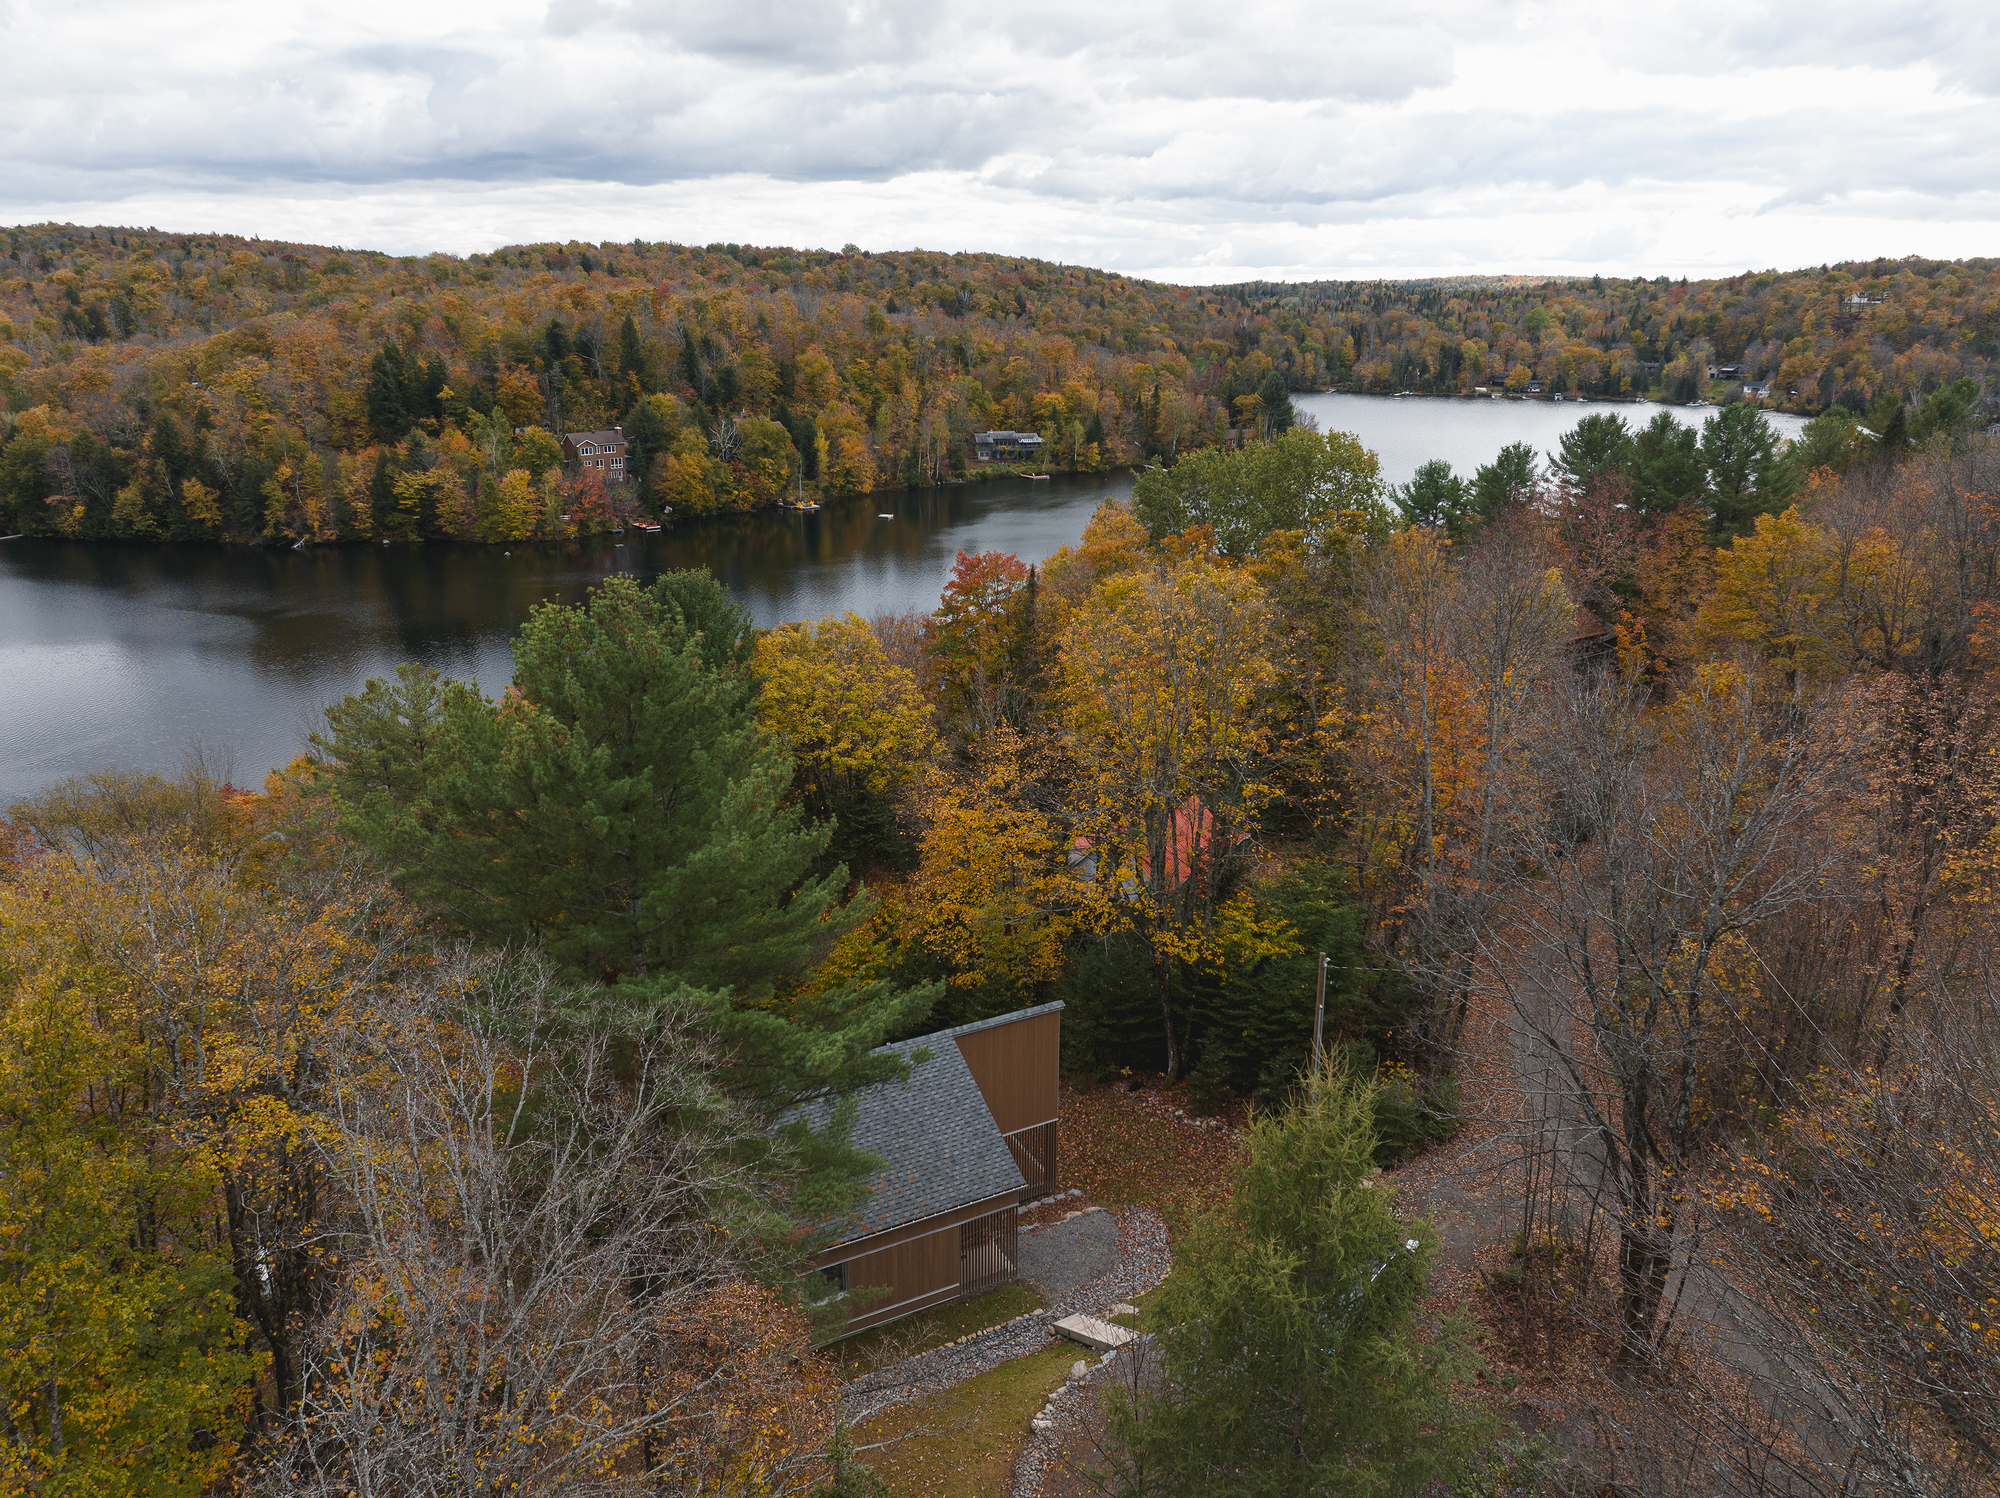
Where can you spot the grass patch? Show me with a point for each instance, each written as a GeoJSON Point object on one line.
{"type": "Point", "coordinates": [1136, 1323]}
{"type": "Point", "coordinates": [970, 1435]}
{"type": "Point", "coordinates": [882, 1345]}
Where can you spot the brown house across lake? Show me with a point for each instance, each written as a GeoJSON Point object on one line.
{"type": "Point", "coordinates": [603, 452]}
{"type": "Point", "coordinates": [968, 1137]}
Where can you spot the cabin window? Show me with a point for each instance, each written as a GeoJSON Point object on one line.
{"type": "Point", "coordinates": [823, 1285]}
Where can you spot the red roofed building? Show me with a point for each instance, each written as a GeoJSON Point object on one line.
{"type": "Point", "coordinates": [1192, 833]}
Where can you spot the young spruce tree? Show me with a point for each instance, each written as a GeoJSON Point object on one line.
{"type": "Point", "coordinates": [1284, 1335]}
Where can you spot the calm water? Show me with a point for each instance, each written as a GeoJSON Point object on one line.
{"type": "Point", "coordinates": [133, 655]}
{"type": "Point", "coordinates": [1410, 430]}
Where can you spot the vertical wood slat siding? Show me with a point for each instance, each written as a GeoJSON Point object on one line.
{"type": "Point", "coordinates": [1017, 1067]}
{"type": "Point", "coordinates": [913, 1269]}
{"type": "Point", "coordinates": [988, 1252]}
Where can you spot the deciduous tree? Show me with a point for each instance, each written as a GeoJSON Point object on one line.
{"type": "Point", "coordinates": [1164, 675]}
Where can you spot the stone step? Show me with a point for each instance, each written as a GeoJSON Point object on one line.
{"type": "Point", "coordinates": [1091, 1332]}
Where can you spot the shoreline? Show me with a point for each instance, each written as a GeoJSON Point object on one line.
{"type": "Point", "coordinates": [972, 479]}
{"type": "Point", "coordinates": [1561, 398]}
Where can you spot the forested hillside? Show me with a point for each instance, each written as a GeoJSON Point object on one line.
{"type": "Point", "coordinates": [436, 1112]}
{"type": "Point", "coordinates": [206, 387]}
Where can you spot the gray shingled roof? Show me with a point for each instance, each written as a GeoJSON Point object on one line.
{"type": "Point", "coordinates": [935, 1132]}
{"type": "Point", "coordinates": [937, 1135]}
{"type": "Point", "coordinates": [980, 1024]}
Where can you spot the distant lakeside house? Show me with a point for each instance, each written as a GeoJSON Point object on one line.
{"type": "Point", "coordinates": [991, 445]}
{"type": "Point", "coordinates": [600, 452]}
{"type": "Point", "coordinates": [966, 1138]}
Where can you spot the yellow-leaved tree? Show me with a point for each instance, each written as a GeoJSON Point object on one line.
{"type": "Point", "coordinates": [177, 955]}
{"type": "Point", "coordinates": [1165, 675]}
{"type": "Point", "coordinates": [995, 898]}
{"type": "Point", "coordinates": [123, 1366]}
{"type": "Point", "coordinates": [1778, 591]}
{"type": "Point", "coordinates": [857, 725]}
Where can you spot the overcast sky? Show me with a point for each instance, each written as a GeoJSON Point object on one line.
{"type": "Point", "coordinates": [1190, 142]}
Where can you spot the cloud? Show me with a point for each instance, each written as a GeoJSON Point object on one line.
{"type": "Point", "coordinates": [1175, 136]}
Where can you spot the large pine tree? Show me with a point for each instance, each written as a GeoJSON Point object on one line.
{"type": "Point", "coordinates": [620, 807]}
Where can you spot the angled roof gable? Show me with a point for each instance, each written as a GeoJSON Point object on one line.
{"type": "Point", "coordinates": [937, 1136]}
{"type": "Point", "coordinates": [935, 1132]}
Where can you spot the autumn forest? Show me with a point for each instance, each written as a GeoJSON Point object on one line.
{"type": "Point", "coordinates": [439, 1116]}
{"type": "Point", "coordinates": [209, 387]}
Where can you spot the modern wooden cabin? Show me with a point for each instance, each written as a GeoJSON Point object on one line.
{"type": "Point", "coordinates": [967, 1137]}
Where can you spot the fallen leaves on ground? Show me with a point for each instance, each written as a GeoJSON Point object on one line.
{"type": "Point", "coordinates": [1124, 1148]}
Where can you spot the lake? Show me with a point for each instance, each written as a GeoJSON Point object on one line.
{"type": "Point", "coordinates": [1408, 430]}
{"type": "Point", "coordinates": [134, 655]}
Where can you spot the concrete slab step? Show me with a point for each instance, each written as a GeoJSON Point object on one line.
{"type": "Point", "coordinates": [1100, 1335]}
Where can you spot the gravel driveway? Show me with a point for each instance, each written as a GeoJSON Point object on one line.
{"type": "Point", "coordinates": [1061, 1259]}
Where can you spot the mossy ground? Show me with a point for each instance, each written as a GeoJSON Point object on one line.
{"type": "Point", "coordinates": [965, 1440]}
{"type": "Point", "coordinates": [880, 1346]}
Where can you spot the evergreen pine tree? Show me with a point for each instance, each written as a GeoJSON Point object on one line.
{"type": "Point", "coordinates": [1666, 467]}
{"type": "Point", "coordinates": [388, 409]}
{"type": "Point", "coordinates": [646, 437]}
{"type": "Point", "coordinates": [622, 808]}
{"type": "Point", "coordinates": [1506, 485]}
{"type": "Point", "coordinates": [1434, 496]}
{"type": "Point", "coordinates": [1284, 1336]}
{"type": "Point", "coordinates": [435, 379]}
{"type": "Point", "coordinates": [631, 357]}
{"type": "Point", "coordinates": [1277, 398]}
{"type": "Point", "coordinates": [1746, 475]}
{"type": "Point", "coordinates": [1601, 443]}
{"type": "Point", "coordinates": [382, 494]}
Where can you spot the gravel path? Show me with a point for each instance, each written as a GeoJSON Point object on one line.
{"type": "Point", "coordinates": [1069, 1410]}
{"type": "Point", "coordinates": [1097, 1258]}
{"type": "Point", "coordinates": [1088, 1262]}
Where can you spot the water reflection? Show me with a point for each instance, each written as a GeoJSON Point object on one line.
{"type": "Point", "coordinates": [1407, 431]}
{"type": "Point", "coordinates": [130, 654]}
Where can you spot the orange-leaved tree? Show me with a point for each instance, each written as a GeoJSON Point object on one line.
{"type": "Point", "coordinates": [982, 641]}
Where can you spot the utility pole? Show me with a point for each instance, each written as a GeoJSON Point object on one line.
{"type": "Point", "coordinates": [1319, 1023]}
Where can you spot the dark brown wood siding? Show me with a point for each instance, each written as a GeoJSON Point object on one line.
{"type": "Point", "coordinates": [1017, 1067]}
{"type": "Point", "coordinates": [869, 1243]}
{"type": "Point", "coordinates": [1034, 1152]}
{"type": "Point", "coordinates": [918, 1262]}
{"type": "Point", "coordinates": [916, 1272]}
